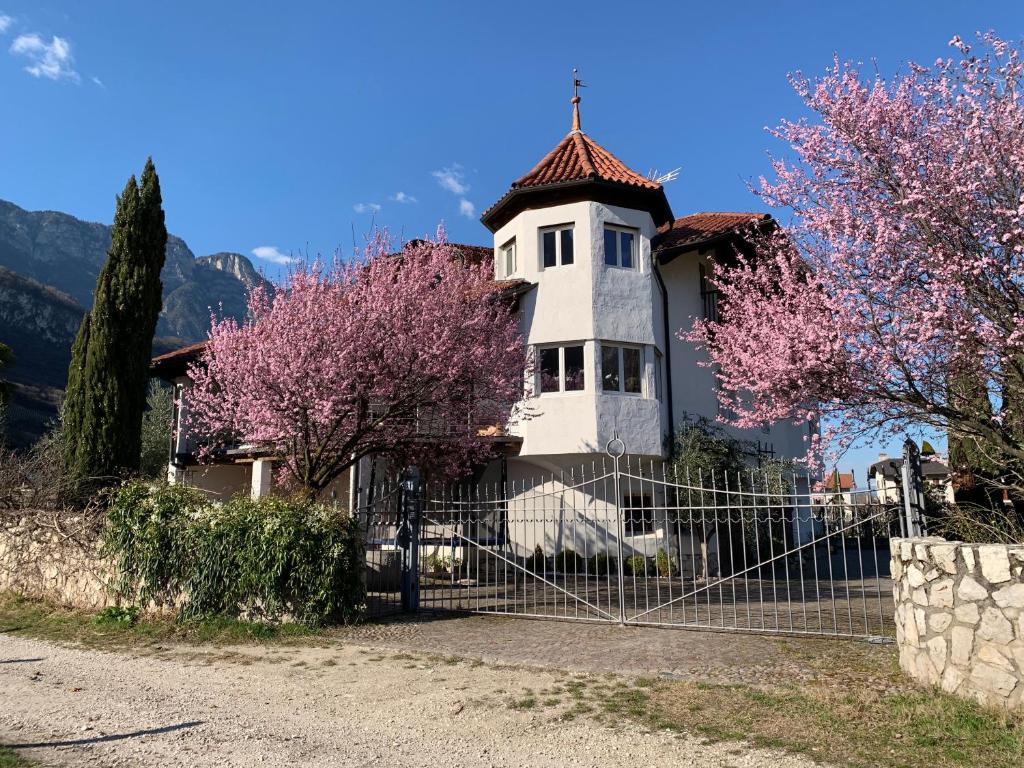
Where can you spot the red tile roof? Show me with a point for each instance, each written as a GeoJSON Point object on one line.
{"type": "Point", "coordinates": [846, 481]}
{"type": "Point", "coordinates": [698, 227]}
{"type": "Point", "coordinates": [577, 157]}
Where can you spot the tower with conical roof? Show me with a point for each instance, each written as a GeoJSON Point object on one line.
{"type": "Point", "coordinates": [578, 226]}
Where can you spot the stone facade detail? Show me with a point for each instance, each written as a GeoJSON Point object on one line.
{"type": "Point", "coordinates": [960, 617]}
{"type": "Point", "coordinates": [55, 558]}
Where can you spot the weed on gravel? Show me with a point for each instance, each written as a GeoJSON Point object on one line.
{"type": "Point", "coordinates": [121, 628]}
{"type": "Point", "coordinates": [866, 717]}
{"type": "Point", "coordinates": [11, 759]}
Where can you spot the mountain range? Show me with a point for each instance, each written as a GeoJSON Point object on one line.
{"type": "Point", "coordinates": [49, 262]}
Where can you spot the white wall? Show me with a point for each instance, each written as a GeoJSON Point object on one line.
{"type": "Point", "coordinates": [588, 302]}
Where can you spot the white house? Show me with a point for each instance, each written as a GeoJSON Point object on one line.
{"type": "Point", "coordinates": [605, 276]}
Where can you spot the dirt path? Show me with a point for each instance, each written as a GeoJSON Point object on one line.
{"type": "Point", "coordinates": [346, 705]}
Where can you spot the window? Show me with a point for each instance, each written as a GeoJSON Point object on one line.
{"type": "Point", "coordinates": [508, 257]}
{"type": "Point", "coordinates": [621, 369]}
{"type": "Point", "coordinates": [556, 246]}
{"type": "Point", "coordinates": [620, 247]}
{"type": "Point", "coordinates": [562, 369]}
{"type": "Point", "coordinates": [658, 367]}
{"type": "Point", "coordinates": [708, 296]}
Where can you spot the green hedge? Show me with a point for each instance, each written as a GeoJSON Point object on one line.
{"type": "Point", "coordinates": [263, 558]}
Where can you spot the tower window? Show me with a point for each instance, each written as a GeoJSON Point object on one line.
{"type": "Point", "coordinates": [621, 369]}
{"type": "Point", "coordinates": [508, 258]}
{"type": "Point", "coordinates": [620, 247]}
{"type": "Point", "coordinates": [556, 246]}
{"type": "Point", "coordinates": [562, 369]}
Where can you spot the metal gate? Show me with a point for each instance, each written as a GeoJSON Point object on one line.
{"type": "Point", "coordinates": [630, 543]}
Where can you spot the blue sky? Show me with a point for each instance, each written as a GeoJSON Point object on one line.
{"type": "Point", "coordinates": [280, 129]}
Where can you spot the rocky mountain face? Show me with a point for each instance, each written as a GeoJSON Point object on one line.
{"type": "Point", "coordinates": [49, 262]}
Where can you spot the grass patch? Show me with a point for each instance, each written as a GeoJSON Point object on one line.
{"type": "Point", "coordinates": [853, 725]}
{"type": "Point", "coordinates": [527, 702]}
{"type": "Point", "coordinates": [856, 710]}
{"type": "Point", "coordinates": [123, 628]}
{"type": "Point", "coordinates": [11, 759]}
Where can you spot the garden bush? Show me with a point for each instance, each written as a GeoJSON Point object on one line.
{"type": "Point", "coordinates": [637, 565]}
{"type": "Point", "coordinates": [537, 562]}
{"type": "Point", "coordinates": [601, 564]}
{"type": "Point", "coordinates": [666, 565]}
{"type": "Point", "coordinates": [569, 561]}
{"type": "Point", "coordinates": [254, 559]}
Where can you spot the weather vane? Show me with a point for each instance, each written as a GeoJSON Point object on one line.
{"type": "Point", "coordinates": [576, 84]}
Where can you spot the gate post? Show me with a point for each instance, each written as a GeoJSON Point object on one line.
{"type": "Point", "coordinates": [616, 449]}
{"type": "Point", "coordinates": [409, 539]}
{"type": "Point", "coordinates": [913, 490]}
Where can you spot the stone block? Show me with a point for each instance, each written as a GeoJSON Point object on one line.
{"type": "Point", "coordinates": [970, 590]}
{"type": "Point", "coordinates": [995, 627]}
{"type": "Point", "coordinates": [967, 613]}
{"type": "Point", "coordinates": [986, 678]}
{"type": "Point", "coordinates": [939, 621]}
{"type": "Point", "coordinates": [896, 568]}
{"type": "Point", "coordinates": [995, 563]}
{"type": "Point", "coordinates": [968, 555]}
{"type": "Point", "coordinates": [906, 550]}
{"type": "Point", "coordinates": [952, 677]}
{"type": "Point", "coordinates": [931, 574]}
{"type": "Point", "coordinates": [962, 642]}
{"type": "Point", "coordinates": [941, 594]}
{"type": "Point", "coordinates": [937, 653]}
{"type": "Point", "coordinates": [926, 671]}
{"type": "Point", "coordinates": [1010, 596]}
{"type": "Point", "coordinates": [908, 660]}
{"type": "Point", "coordinates": [911, 636]}
{"type": "Point", "coordinates": [915, 578]}
{"type": "Point", "coordinates": [990, 653]}
{"type": "Point", "coordinates": [920, 596]}
{"type": "Point", "coordinates": [944, 556]}
{"type": "Point", "coordinates": [921, 619]}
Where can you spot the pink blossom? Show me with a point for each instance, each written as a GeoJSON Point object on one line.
{"type": "Point", "coordinates": [895, 296]}
{"type": "Point", "coordinates": [405, 356]}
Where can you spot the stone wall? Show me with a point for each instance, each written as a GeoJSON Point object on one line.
{"type": "Point", "coordinates": [55, 557]}
{"type": "Point", "coordinates": [960, 617]}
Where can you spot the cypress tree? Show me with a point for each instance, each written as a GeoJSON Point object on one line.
{"type": "Point", "coordinates": [108, 377]}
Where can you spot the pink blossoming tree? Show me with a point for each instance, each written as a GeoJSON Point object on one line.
{"type": "Point", "coordinates": [406, 356]}
{"type": "Point", "coordinates": [896, 296]}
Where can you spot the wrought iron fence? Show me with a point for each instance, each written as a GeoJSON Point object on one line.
{"type": "Point", "coordinates": [625, 542]}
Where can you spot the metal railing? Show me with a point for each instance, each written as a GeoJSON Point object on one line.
{"type": "Point", "coordinates": [631, 543]}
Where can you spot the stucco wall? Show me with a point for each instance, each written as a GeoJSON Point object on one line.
{"type": "Point", "coordinates": [960, 617]}
{"type": "Point", "coordinates": [588, 303]}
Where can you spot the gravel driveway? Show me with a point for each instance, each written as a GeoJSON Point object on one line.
{"type": "Point", "coordinates": [342, 705]}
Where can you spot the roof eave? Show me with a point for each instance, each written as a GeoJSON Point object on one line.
{"type": "Point", "coordinates": [652, 200]}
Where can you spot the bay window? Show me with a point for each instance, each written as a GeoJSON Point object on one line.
{"type": "Point", "coordinates": [556, 246]}
{"type": "Point", "coordinates": [508, 258]}
{"type": "Point", "coordinates": [620, 247]}
{"type": "Point", "coordinates": [561, 369]}
{"type": "Point", "coordinates": [621, 369]}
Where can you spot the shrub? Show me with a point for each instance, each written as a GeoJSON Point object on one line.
{"type": "Point", "coordinates": [637, 565]}
{"type": "Point", "coordinates": [536, 562]}
{"type": "Point", "coordinates": [569, 561]}
{"type": "Point", "coordinates": [263, 558]}
{"type": "Point", "coordinates": [601, 564]}
{"type": "Point", "coordinates": [665, 565]}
